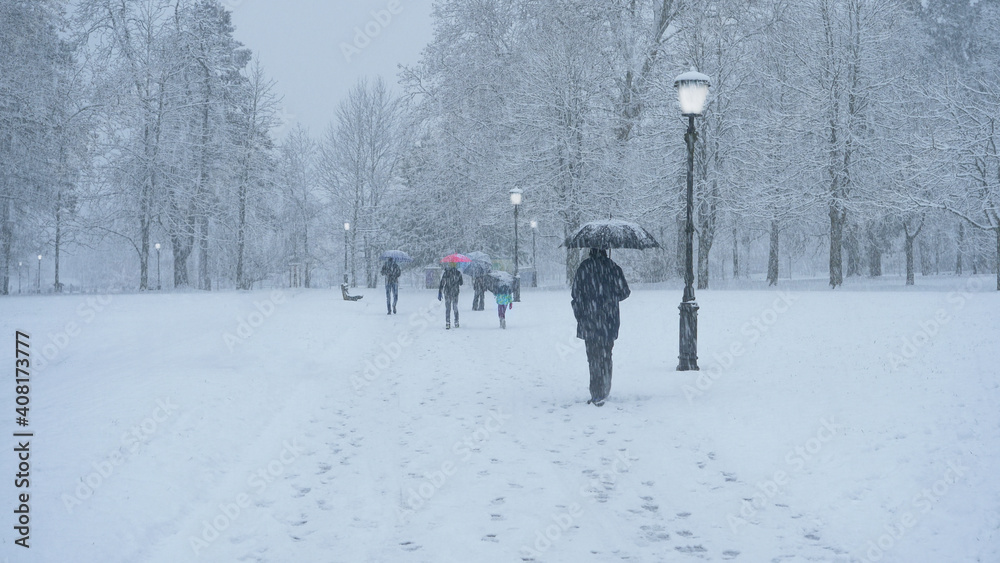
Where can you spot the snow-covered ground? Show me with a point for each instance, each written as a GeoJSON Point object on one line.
{"type": "Point", "coordinates": [825, 425]}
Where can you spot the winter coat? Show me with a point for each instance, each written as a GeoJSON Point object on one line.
{"type": "Point", "coordinates": [504, 299]}
{"type": "Point", "coordinates": [479, 284]}
{"type": "Point", "coordinates": [391, 272]}
{"type": "Point", "coordinates": [598, 286]}
{"type": "Point", "coordinates": [450, 282]}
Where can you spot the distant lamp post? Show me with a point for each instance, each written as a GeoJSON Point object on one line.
{"type": "Point", "coordinates": [347, 229]}
{"type": "Point", "coordinates": [515, 198]}
{"type": "Point", "coordinates": [38, 280]}
{"type": "Point", "coordinates": [157, 247]}
{"type": "Point", "coordinates": [534, 264]}
{"type": "Point", "coordinates": [692, 92]}
{"type": "Point", "coordinates": [19, 266]}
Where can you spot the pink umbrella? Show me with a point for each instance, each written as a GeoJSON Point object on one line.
{"type": "Point", "coordinates": [460, 261]}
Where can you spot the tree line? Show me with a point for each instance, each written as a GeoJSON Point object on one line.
{"type": "Point", "coordinates": [841, 129]}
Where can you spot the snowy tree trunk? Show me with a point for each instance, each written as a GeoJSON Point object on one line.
{"type": "Point", "coordinates": [852, 246]}
{"type": "Point", "coordinates": [203, 197]}
{"type": "Point", "coordinates": [56, 286]}
{"type": "Point", "coordinates": [703, 261]}
{"type": "Point", "coordinates": [908, 248]}
{"type": "Point", "coordinates": [736, 255]}
{"type": "Point", "coordinates": [354, 246]}
{"type": "Point", "coordinates": [874, 257]}
{"type": "Point", "coordinates": [997, 233]}
{"type": "Point", "coordinates": [837, 217]}
{"type": "Point", "coordinates": [145, 221]}
{"type": "Point", "coordinates": [959, 248]}
{"type": "Point", "coordinates": [908, 239]}
{"type": "Point", "coordinates": [305, 251]}
{"type": "Point", "coordinates": [925, 257]}
{"type": "Point", "coordinates": [241, 228]}
{"type": "Point", "coordinates": [241, 278]}
{"type": "Point", "coordinates": [772, 256]}
{"type": "Point", "coordinates": [181, 243]}
{"type": "Point", "coordinates": [147, 192]}
{"type": "Point", "coordinates": [707, 215]}
{"type": "Point", "coordinates": [204, 281]}
{"type": "Point", "coordinates": [371, 278]}
{"type": "Point", "coordinates": [937, 253]}
{"type": "Point", "coordinates": [6, 241]}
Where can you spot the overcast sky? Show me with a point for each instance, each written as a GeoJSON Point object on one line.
{"type": "Point", "coordinates": [301, 44]}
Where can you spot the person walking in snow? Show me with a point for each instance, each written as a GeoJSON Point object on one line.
{"type": "Point", "coordinates": [504, 300]}
{"type": "Point", "coordinates": [391, 272]}
{"type": "Point", "coordinates": [479, 292]}
{"type": "Point", "coordinates": [451, 281]}
{"type": "Point", "coordinates": [598, 286]}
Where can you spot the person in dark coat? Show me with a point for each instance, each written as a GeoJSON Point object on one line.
{"type": "Point", "coordinates": [598, 287]}
{"type": "Point", "coordinates": [391, 272]}
{"type": "Point", "coordinates": [479, 293]}
{"type": "Point", "coordinates": [449, 288]}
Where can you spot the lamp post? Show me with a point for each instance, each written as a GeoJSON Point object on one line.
{"type": "Point", "coordinates": [347, 229]}
{"type": "Point", "coordinates": [534, 264]}
{"type": "Point", "coordinates": [38, 280]}
{"type": "Point", "coordinates": [692, 91]}
{"type": "Point", "coordinates": [157, 247]}
{"type": "Point", "coordinates": [19, 266]}
{"type": "Point", "coordinates": [515, 199]}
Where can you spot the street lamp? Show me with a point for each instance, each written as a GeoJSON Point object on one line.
{"type": "Point", "coordinates": [515, 199]}
{"type": "Point", "coordinates": [534, 264]}
{"type": "Point", "coordinates": [347, 229]}
{"type": "Point", "coordinates": [38, 281]}
{"type": "Point", "coordinates": [692, 91]}
{"type": "Point", "coordinates": [157, 247]}
{"type": "Point", "coordinates": [19, 266]}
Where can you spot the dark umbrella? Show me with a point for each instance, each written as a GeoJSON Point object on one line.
{"type": "Point", "coordinates": [477, 269]}
{"type": "Point", "coordinates": [499, 282]}
{"type": "Point", "coordinates": [480, 266]}
{"type": "Point", "coordinates": [398, 255]}
{"type": "Point", "coordinates": [611, 233]}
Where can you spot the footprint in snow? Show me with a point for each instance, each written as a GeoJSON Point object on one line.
{"type": "Point", "coordinates": [730, 554]}
{"type": "Point", "coordinates": [655, 533]}
{"type": "Point", "coordinates": [409, 546]}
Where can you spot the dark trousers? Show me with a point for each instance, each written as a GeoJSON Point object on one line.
{"type": "Point", "coordinates": [450, 302]}
{"type": "Point", "coordinates": [599, 358]}
{"type": "Point", "coordinates": [391, 295]}
{"type": "Point", "coordinates": [502, 311]}
{"type": "Point", "coordinates": [479, 300]}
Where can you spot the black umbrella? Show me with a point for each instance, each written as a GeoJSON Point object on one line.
{"type": "Point", "coordinates": [611, 233]}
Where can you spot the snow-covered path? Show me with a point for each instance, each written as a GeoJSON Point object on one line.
{"type": "Point", "coordinates": [824, 426]}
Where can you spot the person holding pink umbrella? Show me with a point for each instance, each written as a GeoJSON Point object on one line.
{"type": "Point", "coordinates": [451, 281]}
